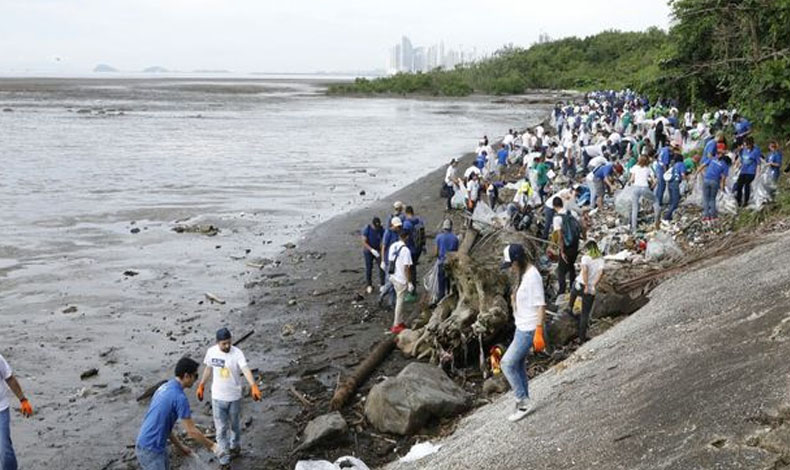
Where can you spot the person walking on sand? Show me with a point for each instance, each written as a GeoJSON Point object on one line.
{"type": "Point", "coordinates": [227, 364]}
{"type": "Point", "coordinates": [585, 286]}
{"type": "Point", "coordinates": [399, 258]}
{"type": "Point", "coordinates": [7, 455]}
{"type": "Point", "coordinates": [529, 308]}
{"type": "Point", "coordinates": [372, 235]}
{"type": "Point", "coordinates": [391, 236]}
{"type": "Point", "coordinates": [446, 242]}
{"type": "Point", "coordinates": [168, 405]}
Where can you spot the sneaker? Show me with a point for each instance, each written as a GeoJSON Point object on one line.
{"type": "Point", "coordinates": [523, 408]}
{"type": "Point", "coordinates": [395, 330]}
{"type": "Point", "coordinates": [369, 289]}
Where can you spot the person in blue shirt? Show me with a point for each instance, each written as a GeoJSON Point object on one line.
{"type": "Point", "coordinates": [749, 158]}
{"type": "Point", "coordinates": [716, 172]}
{"type": "Point", "coordinates": [446, 242]}
{"type": "Point", "coordinates": [605, 176]}
{"type": "Point", "coordinates": [501, 157]}
{"type": "Point", "coordinates": [372, 235]}
{"type": "Point", "coordinates": [480, 161]}
{"type": "Point", "coordinates": [168, 405]}
{"type": "Point", "coordinates": [678, 175]}
{"type": "Point", "coordinates": [742, 129]}
{"type": "Point", "coordinates": [391, 235]}
{"type": "Point", "coordinates": [774, 160]}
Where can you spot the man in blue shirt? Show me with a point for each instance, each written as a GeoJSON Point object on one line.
{"type": "Point", "coordinates": [371, 241]}
{"type": "Point", "coordinates": [168, 405]}
{"type": "Point", "coordinates": [501, 157]}
{"type": "Point", "coordinates": [605, 175]}
{"type": "Point", "coordinates": [446, 242]}
{"type": "Point", "coordinates": [774, 159]}
{"type": "Point", "coordinates": [742, 129]}
{"type": "Point", "coordinates": [749, 158]}
{"type": "Point", "coordinates": [480, 161]}
{"type": "Point", "coordinates": [715, 177]}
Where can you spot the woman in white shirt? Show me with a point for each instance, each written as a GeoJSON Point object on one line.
{"type": "Point", "coordinates": [586, 285]}
{"type": "Point", "coordinates": [529, 308]}
{"type": "Point", "coordinates": [641, 179]}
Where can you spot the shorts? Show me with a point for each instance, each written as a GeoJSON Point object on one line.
{"type": "Point", "coordinates": [599, 188]}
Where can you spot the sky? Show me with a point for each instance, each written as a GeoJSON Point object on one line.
{"type": "Point", "coordinates": [286, 36]}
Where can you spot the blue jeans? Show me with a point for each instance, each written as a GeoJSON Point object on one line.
{"type": "Point", "coordinates": [639, 193]}
{"type": "Point", "coordinates": [660, 187]}
{"type": "Point", "coordinates": [7, 456]}
{"type": "Point", "coordinates": [710, 189]}
{"type": "Point", "coordinates": [227, 422]}
{"type": "Point", "coordinates": [548, 221]}
{"type": "Point", "coordinates": [371, 262]}
{"type": "Point", "coordinates": [150, 460]}
{"type": "Point", "coordinates": [674, 199]}
{"type": "Point", "coordinates": [513, 363]}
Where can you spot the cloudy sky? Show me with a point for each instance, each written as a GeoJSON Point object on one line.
{"type": "Point", "coordinates": [285, 35]}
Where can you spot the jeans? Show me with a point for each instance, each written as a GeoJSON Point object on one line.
{"type": "Point", "coordinates": [370, 262]}
{"type": "Point", "coordinates": [674, 199]}
{"type": "Point", "coordinates": [548, 221]}
{"type": "Point", "coordinates": [743, 186]}
{"type": "Point", "coordinates": [387, 292]}
{"type": "Point", "coordinates": [567, 268]}
{"type": "Point", "coordinates": [227, 422]}
{"type": "Point", "coordinates": [710, 189]}
{"type": "Point", "coordinates": [148, 459]}
{"type": "Point", "coordinates": [583, 320]}
{"type": "Point", "coordinates": [513, 363]}
{"type": "Point", "coordinates": [400, 294]}
{"type": "Point", "coordinates": [444, 282]}
{"type": "Point", "coordinates": [660, 188]}
{"type": "Point", "coordinates": [7, 456]}
{"type": "Point", "coordinates": [639, 193]}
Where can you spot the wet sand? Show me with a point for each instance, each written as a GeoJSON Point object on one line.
{"type": "Point", "coordinates": [312, 323]}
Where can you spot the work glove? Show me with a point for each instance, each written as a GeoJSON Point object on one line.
{"type": "Point", "coordinates": [375, 253]}
{"type": "Point", "coordinates": [25, 407]}
{"type": "Point", "coordinates": [383, 266]}
{"type": "Point", "coordinates": [411, 287]}
{"type": "Point", "coordinates": [256, 392]}
{"type": "Point", "coordinates": [538, 344]}
{"type": "Point", "coordinates": [200, 392]}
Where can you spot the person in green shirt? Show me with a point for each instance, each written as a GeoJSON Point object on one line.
{"type": "Point", "coordinates": [691, 163]}
{"type": "Point", "coordinates": [541, 170]}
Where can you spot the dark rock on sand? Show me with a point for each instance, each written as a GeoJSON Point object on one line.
{"type": "Point", "coordinates": [323, 430]}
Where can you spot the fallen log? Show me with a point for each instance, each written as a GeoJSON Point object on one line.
{"type": "Point", "coordinates": [361, 373]}
{"type": "Point", "coordinates": [150, 390]}
{"type": "Point", "coordinates": [245, 336]}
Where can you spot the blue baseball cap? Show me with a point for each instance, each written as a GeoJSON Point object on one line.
{"type": "Point", "coordinates": [513, 252]}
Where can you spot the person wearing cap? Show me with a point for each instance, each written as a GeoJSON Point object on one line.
{"type": "Point", "coordinates": [585, 285]}
{"type": "Point", "coordinates": [398, 207]}
{"type": "Point", "coordinates": [168, 405]}
{"type": "Point", "coordinates": [446, 242]}
{"type": "Point", "coordinates": [391, 236]}
{"type": "Point", "coordinates": [400, 263]}
{"type": "Point", "coordinates": [225, 364]}
{"type": "Point", "coordinates": [10, 382]}
{"type": "Point", "coordinates": [529, 309]}
{"type": "Point", "coordinates": [372, 235]}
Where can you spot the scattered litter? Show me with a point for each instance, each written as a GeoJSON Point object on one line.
{"type": "Point", "coordinates": [214, 299]}
{"type": "Point", "coordinates": [420, 450]}
{"type": "Point", "coordinates": [72, 309]}
{"type": "Point", "coordinates": [89, 373]}
{"type": "Point", "coordinates": [662, 246]}
{"type": "Point", "coordinates": [343, 463]}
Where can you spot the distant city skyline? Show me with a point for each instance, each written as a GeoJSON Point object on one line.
{"type": "Point", "coordinates": [405, 57]}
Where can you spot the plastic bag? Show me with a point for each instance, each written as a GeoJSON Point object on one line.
{"type": "Point", "coordinates": [459, 200]}
{"type": "Point", "coordinates": [623, 201]}
{"type": "Point", "coordinates": [695, 197]}
{"type": "Point", "coordinates": [343, 463]}
{"type": "Point", "coordinates": [420, 451]}
{"type": "Point", "coordinates": [431, 282]}
{"type": "Point", "coordinates": [662, 246]}
{"type": "Point", "coordinates": [484, 218]}
{"type": "Point", "coordinates": [763, 189]}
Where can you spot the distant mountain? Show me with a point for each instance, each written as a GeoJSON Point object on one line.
{"type": "Point", "coordinates": [104, 68]}
{"type": "Point", "coordinates": [155, 69]}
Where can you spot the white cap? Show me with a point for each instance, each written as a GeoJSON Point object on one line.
{"type": "Point", "coordinates": [398, 205]}
{"type": "Point", "coordinates": [396, 222]}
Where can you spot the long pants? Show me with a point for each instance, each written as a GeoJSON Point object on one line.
{"type": "Point", "coordinates": [227, 422]}
{"type": "Point", "coordinates": [585, 161]}
{"type": "Point", "coordinates": [148, 460]}
{"type": "Point", "coordinates": [514, 363]}
{"type": "Point", "coordinates": [400, 294]}
{"type": "Point", "coordinates": [583, 320]}
{"type": "Point", "coordinates": [660, 188]}
{"type": "Point", "coordinates": [674, 199]}
{"type": "Point", "coordinates": [743, 186]}
{"type": "Point", "coordinates": [548, 221]}
{"type": "Point", "coordinates": [710, 189]}
{"type": "Point", "coordinates": [569, 168]}
{"type": "Point", "coordinates": [371, 263]}
{"type": "Point", "coordinates": [7, 456]}
{"type": "Point", "coordinates": [443, 280]}
{"type": "Point", "coordinates": [565, 268]}
{"type": "Point", "coordinates": [451, 193]}
{"type": "Point", "coordinates": [387, 292]}
{"type": "Point", "coordinates": [639, 193]}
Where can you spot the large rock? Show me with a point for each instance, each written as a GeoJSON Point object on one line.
{"type": "Point", "coordinates": [325, 428]}
{"type": "Point", "coordinates": [403, 404]}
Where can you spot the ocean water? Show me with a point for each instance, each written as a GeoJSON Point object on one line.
{"type": "Point", "coordinates": [86, 161]}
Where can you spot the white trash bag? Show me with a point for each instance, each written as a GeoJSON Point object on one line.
{"type": "Point", "coordinates": [343, 463]}
{"type": "Point", "coordinates": [662, 246]}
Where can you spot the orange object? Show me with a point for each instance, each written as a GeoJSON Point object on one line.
{"type": "Point", "coordinates": [495, 359]}
{"type": "Point", "coordinates": [27, 410]}
{"type": "Point", "coordinates": [537, 342]}
{"type": "Point", "coordinates": [256, 392]}
{"type": "Point", "coordinates": [200, 392]}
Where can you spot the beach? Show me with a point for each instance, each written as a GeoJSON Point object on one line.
{"type": "Point", "coordinates": [118, 290]}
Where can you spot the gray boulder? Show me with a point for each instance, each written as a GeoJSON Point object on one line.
{"type": "Point", "coordinates": [403, 404]}
{"type": "Point", "coordinates": [324, 429]}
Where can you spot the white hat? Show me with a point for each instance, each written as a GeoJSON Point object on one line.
{"type": "Point", "coordinates": [396, 222]}
{"type": "Point", "coordinates": [398, 205]}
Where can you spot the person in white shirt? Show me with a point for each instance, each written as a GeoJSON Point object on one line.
{"type": "Point", "coordinates": [641, 179]}
{"type": "Point", "coordinates": [9, 383]}
{"type": "Point", "coordinates": [586, 284]}
{"type": "Point", "coordinates": [529, 309]}
{"type": "Point", "coordinates": [225, 365]}
{"type": "Point", "coordinates": [400, 260]}
{"type": "Point", "coordinates": [450, 182]}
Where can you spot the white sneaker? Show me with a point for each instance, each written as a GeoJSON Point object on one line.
{"type": "Point", "coordinates": [523, 408]}
{"type": "Point", "coordinates": [369, 290]}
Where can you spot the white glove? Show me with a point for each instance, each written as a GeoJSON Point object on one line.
{"type": "Point", "coordinates": [375, 253]}
{"type": "Point", "coordinates": [217, 450]}
{"type": "Point", "coordinates": [411, 287]}
{"type": "Point", "coordinates": [383, 266]}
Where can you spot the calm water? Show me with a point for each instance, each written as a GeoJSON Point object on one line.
{"type": "Point", "coordinates": [263, 160]}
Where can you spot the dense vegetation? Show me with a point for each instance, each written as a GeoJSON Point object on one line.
{"type": "Point", "coordinates": [722, 53]}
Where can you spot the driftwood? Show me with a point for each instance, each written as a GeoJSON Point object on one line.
{"type": "Point", "coordinates": [150, 390]}
{"type": "Point", "coordinates": [214, 299]}
{"type": "Point", "coordinates": [245, 336]}
{"type": "Point", "coordinates": [307, 403]}
{"type": "Point", "coordinates": [348, 386]}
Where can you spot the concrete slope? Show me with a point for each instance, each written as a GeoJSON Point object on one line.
{"type": "Point", "coordinates": [697, 379]}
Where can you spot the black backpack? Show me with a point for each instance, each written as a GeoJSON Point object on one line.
{"type": "Point", "coordinates": [571, 230]}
